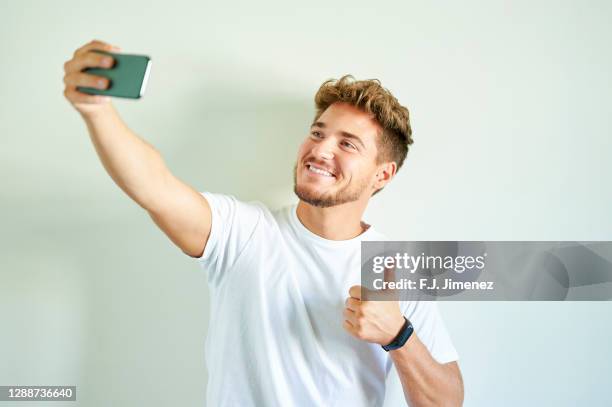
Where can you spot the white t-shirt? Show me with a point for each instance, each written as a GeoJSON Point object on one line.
{"type": "Point", "coordinates": [277, 294]}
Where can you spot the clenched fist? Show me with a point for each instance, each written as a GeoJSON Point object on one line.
{"type": "Point", "coordinates": [74, 76]}
{"type": "Point", "coordinates": [372, 321]}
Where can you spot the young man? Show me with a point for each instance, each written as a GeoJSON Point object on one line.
{"type": "Point", "coordinates": [288, 326]}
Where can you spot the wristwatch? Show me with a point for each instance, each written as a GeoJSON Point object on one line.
{"type": "Point", "coordinates": [401, 337]}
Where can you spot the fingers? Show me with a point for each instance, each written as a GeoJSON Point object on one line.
{"type": "Point", "coordinates": [349, 316]}
{"type": "Point", "coordinates": [352, 303]}
{"type": "Point", "coordinates": [348, 326]}
{"type": "Point", "coordinates": [97, 45]}
{"type": "Point", "coordinates": [355, 292]}
{"type": "Point", "coordinates": [83, 58]}
{"type": "Point", "coordinates": [88, 60]}
{"type": "Point", "coordinates": [87, 80]}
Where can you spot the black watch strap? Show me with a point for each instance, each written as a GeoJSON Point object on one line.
{"type": "Point", "coordinates": [401, 337]}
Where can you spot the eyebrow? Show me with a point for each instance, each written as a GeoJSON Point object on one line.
{"type": "Point", "coordinates": [344, 133]}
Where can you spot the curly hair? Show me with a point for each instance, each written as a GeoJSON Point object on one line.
{"type": "Point", "coordinates": [370, 97]}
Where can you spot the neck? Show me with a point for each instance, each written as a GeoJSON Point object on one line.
{"type": "Point", "coordinates": [341, 222]}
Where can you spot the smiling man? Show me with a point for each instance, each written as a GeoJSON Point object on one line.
{"type": "Point", "coordinates": [288, 326]}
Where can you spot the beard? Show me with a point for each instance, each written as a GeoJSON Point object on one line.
{"type": "Point", "coordinates": [326, 199]}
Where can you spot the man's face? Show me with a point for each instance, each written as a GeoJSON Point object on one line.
{"type": "Point", "coordinates": [336, 164]}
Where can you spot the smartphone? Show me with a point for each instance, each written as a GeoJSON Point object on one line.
{"type": "Point", "coordinates": [127, 77]}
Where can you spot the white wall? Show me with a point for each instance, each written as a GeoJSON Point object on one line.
{"type": "Point", "coordinates": [511, 110]}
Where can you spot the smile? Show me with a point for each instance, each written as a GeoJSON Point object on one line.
{"type": "Point", "coordinates": [319, 171]}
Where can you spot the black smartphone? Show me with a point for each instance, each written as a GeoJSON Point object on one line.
{"type": "Point", "coordinates": [127, 77]}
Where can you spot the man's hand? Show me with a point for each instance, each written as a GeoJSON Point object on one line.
{"type": "Point", "coordinates": [74, 76]}
{"type": "Point", "coordinates": [425, 381]}
{"type": "Point", "coordinates": [372, 321]}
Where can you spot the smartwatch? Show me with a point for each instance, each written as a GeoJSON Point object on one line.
{"type": "Point", "coordinates": [401, 337]}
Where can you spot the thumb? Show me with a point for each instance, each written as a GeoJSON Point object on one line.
{"type": "Point", "coordinates": [389, 274]}
{"type": "Point", "coordinates": [389, 294]}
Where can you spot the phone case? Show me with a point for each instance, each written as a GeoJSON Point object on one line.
{"type": "Point", "coordinates": [128, 76]}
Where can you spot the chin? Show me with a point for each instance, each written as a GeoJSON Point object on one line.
{"type": "Point", "coordinates": [317, 202]}
{"type": "Point", "coordinates": [324, 199]}
{"type": "Point", "coordinates": [310, 192]}
{"type": "Point", "coordinates": [310, 196]}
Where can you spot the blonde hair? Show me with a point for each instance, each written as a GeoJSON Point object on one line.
{"type": "Point", "coordinates": [369, 96]}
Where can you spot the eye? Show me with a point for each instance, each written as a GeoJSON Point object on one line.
{"type": "Point", "coordinates": [349, 145]}
{"type": "Point", "coordinates": [316, 134]}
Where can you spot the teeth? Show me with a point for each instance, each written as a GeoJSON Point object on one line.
{"type": "Point", "coordinates": [318, 171]}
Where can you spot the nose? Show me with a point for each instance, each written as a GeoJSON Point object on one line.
{"type": "Point", "coordinates": [324, 149]}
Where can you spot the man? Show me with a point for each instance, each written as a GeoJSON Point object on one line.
{"type": "Point", "coordinates": [288, 325]}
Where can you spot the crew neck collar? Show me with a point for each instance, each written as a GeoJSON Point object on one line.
{"type": "Point", "coordinates": [303, 230]}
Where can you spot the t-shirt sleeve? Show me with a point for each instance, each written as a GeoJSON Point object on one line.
{"type": "Point", "coordinates": [429, 326]}
{"type": "Point", "coordinates": [233, 224]}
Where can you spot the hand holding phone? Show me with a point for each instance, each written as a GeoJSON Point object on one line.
{"type": "Point", "coordinates": [89, 82]}
{"type": "Point", "coordinates": [127, 77]}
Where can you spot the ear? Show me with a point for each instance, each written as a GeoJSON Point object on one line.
{"type": "Point", "coordinates": [384, 174]}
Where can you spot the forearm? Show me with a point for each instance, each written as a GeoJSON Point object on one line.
{"type": "Point", "coordinates": [425, 381]}
{"type": "Point", "coordinates": [135, 165]}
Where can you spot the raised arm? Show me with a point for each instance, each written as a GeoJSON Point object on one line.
{"type": "Point", "coordinates": [135, 165]}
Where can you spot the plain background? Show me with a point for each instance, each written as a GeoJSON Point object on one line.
{"type": "Point", "coordinates": [511, 109]}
